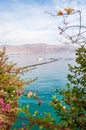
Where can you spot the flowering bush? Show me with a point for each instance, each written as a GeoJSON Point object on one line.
{"type": "Point", "coordinates": [11, 87]}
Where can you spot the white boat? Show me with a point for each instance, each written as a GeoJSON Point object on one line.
{"type": "Point", "coordinates": [39, 58]}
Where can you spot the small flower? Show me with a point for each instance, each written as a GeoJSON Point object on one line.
{"type": "Point", "coordinates": [69, 10]}
{"type": "Point", "coordinates": [14, 91]}
{"type": "Point", "coordinates": [8, 106]}
{"type": "Point", "coordinates": [64, 107]}
{"type": "Point", "coordinates": [1, 123]}
{"type": "Point", "coordinates": [22, 93]}
{"type": "Point", "coordinates": [60, 12]}
{"type": "Point", "coordinates": [3, 107]}
{"type": "Point", "coordinates": [39, 102]}
{"type": "Point", "coordinates": [1, 100]}
{"type": "Point", "coordinates": [19, 92]}
{"type": "Point", "coordinates": [29, 94]}
{"type": "Point", "coordinates": [2, 91]}
{"type": "Point", "coordinates": [12, 95]}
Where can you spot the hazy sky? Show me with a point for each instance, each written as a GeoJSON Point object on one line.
{"type": "Point", "coordinates": [25, 21]}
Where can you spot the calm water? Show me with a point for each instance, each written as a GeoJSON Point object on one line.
{"type": "Point", "coordinates": [50, 76]}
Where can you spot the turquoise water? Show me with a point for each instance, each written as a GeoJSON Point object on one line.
{"type": "Point", "coordinates": [50, 76]}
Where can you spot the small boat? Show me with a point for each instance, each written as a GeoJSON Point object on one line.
{"type": "Point", "coordinates": [39, 58]}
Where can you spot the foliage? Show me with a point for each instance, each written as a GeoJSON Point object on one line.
{"type": "Point", "coordinates": [72, 108]}
{"type": "Point", "coordinates": [34, 120]}
{"type": "Point", "coordinates": [11, 88]}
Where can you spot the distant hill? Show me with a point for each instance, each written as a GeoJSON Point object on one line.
{"type": "Point", "coordinates": [37, 48]}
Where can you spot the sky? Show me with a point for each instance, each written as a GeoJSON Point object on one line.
{"type": "Point", "coordinates": [25, 21]}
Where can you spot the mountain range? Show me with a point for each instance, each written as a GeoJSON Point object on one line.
{"type": "Point", "coordinates": [38, 48]}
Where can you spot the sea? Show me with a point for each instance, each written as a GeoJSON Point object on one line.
{"type": "Point", "coordinates": [49, 77]}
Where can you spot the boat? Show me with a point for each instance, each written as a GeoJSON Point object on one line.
{"type": "Point", "coordinates": [39, 58]}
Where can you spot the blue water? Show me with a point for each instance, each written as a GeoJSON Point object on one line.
{"type": "Point", "coordinates": [50, 76]}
